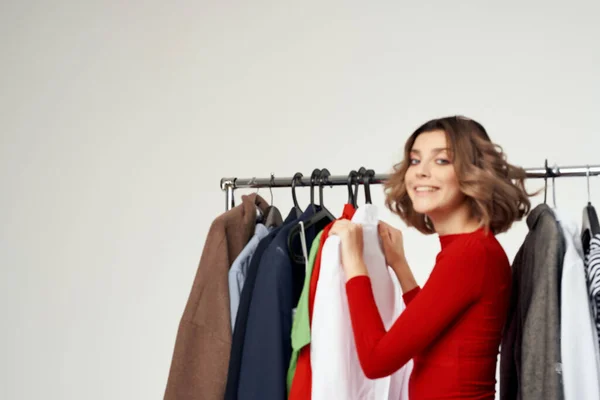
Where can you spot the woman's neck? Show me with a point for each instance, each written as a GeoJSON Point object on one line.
{"type": "Point", "coordinates": [457, 221]}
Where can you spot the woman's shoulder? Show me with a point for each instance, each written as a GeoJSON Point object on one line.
{"type": "Point", "coordinates": [477, 259]}
{"type": "Point", "coordinates": [477, 247]}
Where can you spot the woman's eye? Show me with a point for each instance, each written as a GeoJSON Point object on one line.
{"type": "Point", "coordinates": [413, 161]}
{"type": "Point", "coordinates": [443, 161]}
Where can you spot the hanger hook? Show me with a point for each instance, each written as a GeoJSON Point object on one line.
{"type": "Point", "coordinates": [323, 179]}
{"type": "Point", "coordinates": [356, 187]}
{"type": "Point", "coordinates": [271, 183]}
{"type": "Point", "coordinates": [259, 213]}
{"type": "Point", "coordinates": [352, 179]}
{"type": "Point", "coordinates": [313, 178]}
{"type": "Point", "coordinates": [362, 171]}
{"type": "Point", "coordinates": [368, 176]}
{"type": "Point", "coordinates": [253, 182]}
{"type": "Point", "coordinates": [587, 176]}
{"type": "Point", "coordinates": [547, 172]}
{"type": "Point", "coordinates": [297, 178]}
{"type": "Point", "coordinates": [553, 192]}
{"type": "Point", "coordinates": [555, 172]}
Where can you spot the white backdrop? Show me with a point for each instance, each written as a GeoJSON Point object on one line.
{"type": "Point", "coordinates": [118, 119]}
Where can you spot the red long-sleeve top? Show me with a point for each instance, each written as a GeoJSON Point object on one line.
{"type": "Point", "coordinates": [451, 328]}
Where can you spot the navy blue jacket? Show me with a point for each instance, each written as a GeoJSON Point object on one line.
{"type": "Point", "coordinates": [241, 321]}
{"type": "Point", "coordinates": [267, 345]}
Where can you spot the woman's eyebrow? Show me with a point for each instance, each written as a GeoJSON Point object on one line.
{"type": "Point", "coordinates": [434, 150]}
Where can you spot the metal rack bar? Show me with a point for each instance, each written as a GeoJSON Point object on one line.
{"type": "Point", "coordinates": [230, 184]}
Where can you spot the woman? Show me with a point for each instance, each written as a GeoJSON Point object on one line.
{"type": "Point", "coordinates": [456, 183]}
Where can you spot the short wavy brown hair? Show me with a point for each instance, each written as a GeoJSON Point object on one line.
{"type": "Point", "coordinates": [495, 188]}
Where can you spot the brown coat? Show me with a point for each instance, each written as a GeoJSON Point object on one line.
{"type": "Point", "coordinates": [201, 354]}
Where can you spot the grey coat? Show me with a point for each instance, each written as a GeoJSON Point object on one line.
{"type": "Point", "coordinates": [530, 363]}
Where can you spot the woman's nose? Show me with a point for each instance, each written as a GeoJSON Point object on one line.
{"type": "Point", "coordinates": [423, 169]}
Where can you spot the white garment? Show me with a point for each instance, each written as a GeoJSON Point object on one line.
{"type": "Point", "coordinates": [580, 358]}
{"type": "Point", "coordinates": [336, 371]}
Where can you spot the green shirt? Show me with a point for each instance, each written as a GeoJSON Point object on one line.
{"type": "Point", "coordinates": [301, 324]}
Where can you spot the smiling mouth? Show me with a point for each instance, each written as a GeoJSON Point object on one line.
{"type": "Point", "coordinates": [425, 189]}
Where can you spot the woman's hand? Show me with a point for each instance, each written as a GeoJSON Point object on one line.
{"type": "Point", "coordinates": [393, 245]}
{"type": "Point", "coordinates": [351, 237]}
{"type": "Point", "coordinates": [393, 249]}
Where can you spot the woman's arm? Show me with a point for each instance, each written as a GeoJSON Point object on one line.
{"type": "Point", "coordinates": [455, 283]}
{"type": "Point", "coordinates": [405, 276]}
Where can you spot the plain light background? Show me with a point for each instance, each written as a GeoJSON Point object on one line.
{"type": "Point", "coordinates": [118, 119]}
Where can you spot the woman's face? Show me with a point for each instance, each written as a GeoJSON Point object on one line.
{"type": "Point", "coordinates": [431, 181]}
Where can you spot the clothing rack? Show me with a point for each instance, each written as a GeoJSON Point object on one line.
{"type": "Point", "coordinates": [228, 185]}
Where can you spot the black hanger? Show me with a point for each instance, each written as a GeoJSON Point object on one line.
{"type": "Point", "coordinates": [296, 179]}
{"type": "Point", "coordinates": [366, 175]}
{"type": "Point", "coordinates": [593, 218]}
{"type": "Point", "coordinates": [323, 179]}
{"type": "Point", "coordinates": [361, 176]}
{"type": "Point", "coordinates": [322, 217]}
{"type": "Point", "coordinates": [321, 213]}
{"type": "Point", "coordinates": [370, 175]}
{"type": "Point", "coordinates": [295, 230]}
{"type": "Point", "coordinates": [313, 181]}
{"type": "Point", "coordinates": [353, 196]}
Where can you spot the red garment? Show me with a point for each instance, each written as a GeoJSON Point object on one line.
{"type": "Point", "coordinates": [302, 382]}
{"type": "Point", "coordinates": [451, 328]}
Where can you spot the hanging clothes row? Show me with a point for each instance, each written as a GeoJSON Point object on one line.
{"type": "Point", "coordinates": [551, 340]}
{"type": "Point", "coordinates": [256, 327]}
{"type": "Point", "coordinates": [262, 329]}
